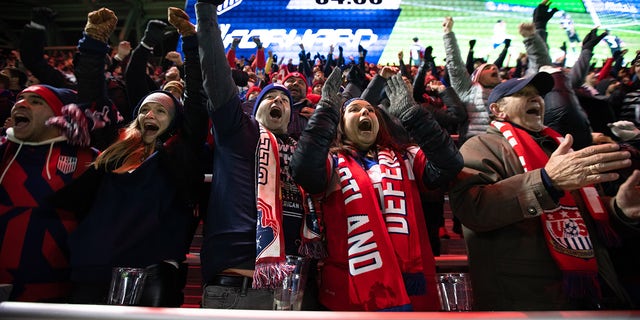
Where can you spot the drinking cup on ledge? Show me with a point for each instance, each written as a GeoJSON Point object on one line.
{"type": "Point", "coordinates": [454, 290]}
{"type": "Point", "coordinates": [289, 295]}
{"type": "Point", "coordinates": [126, 286]}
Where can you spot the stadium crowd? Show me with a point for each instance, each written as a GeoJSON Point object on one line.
{"type": "Point", "coordinates": [337, 159]}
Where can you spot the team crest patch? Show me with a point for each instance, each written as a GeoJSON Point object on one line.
{"type": "Point", "coordinates": [67, 164]}
{"type": "Point", "coordinates": [569, 233]}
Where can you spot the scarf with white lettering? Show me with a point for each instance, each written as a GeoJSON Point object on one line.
{"type": "Point", "coordinates": [270, 255]}
{"type": "Point", "coordinates": [386, 260]}
{"type": "Point", "coordinates": [568, 239]}
{"type": "Point", "coordinates": [270, 243]}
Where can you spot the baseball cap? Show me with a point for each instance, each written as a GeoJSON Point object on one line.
{"type": "Point", "coordinates": [542, 81]}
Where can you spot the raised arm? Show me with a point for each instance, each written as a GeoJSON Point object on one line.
{"type": "Point", "coordinates": [419, 86]}
{"type": "Point", "coordinates": [373, 92]}
{"type": "Point", "coordinates": [138, 82]}
{"type": "Point", "coordinates": [33, 40]}
{"type": "Point", "coordinates": [195, 115]}
{"type": "Point", "coordinates": [310, 165]}
{"type": "Point", "coordinates": [537, 51]}
{"type": "Point", "coordinates": [581, 66]}
{"type": "Point", "coordinates": [217, 81]}
{"type": "Point", "coordinates": [541, 16]}
{"type": "Point", "coordinates": [94, 120]}
{"type": "Point", "coordinates": [459, 78]}
{"type": "Point", "coordinates": [443, 158]}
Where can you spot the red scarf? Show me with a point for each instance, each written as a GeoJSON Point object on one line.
{"type": "Point", "coordinates": [567, 237]}
{"type": "Point", "coordinates": [270, 254]}
{"type": "Point", "coordinates": [270, 249]}
{"type": "Point", "coordinates": [385, 255]}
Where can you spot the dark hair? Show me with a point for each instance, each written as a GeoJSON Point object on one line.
{"type": "Point", "coordinates": [383, 139]}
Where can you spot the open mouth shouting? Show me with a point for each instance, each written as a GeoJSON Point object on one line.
{"type": "Point", "coordinates": [275, 112]}
{"type": "Point", "coordinates": [150, 129]}
{"type": "Point", "coordinates": [20, 120]}
{"type": "Point", "coordinates": [534, 111]}
{"type": "Point", "coordinates": [365, 125]}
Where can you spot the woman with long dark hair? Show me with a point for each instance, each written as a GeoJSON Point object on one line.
{"type": "Point", "coordinates": [368, 185]}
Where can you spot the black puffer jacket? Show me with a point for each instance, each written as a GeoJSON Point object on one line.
{"type": "Point", "coordinates": [563, 112]}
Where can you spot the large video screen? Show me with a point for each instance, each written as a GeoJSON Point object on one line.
{"type": "Point", "coordinates": [386, 27]}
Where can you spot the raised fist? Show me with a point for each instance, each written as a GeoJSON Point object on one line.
{"type": "Point", "coordinates": [100, 24]}
{"type": "Point", "coordinates": [180, 20]}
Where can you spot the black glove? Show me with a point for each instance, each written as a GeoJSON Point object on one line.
{"type": "Point", "coordinates": [472, 43]}
{"type": "Point", "coordinates": [213, 2]}
{"type": "Point", "coordinates": [542, 15]}
{"type": "Point", "coordinates": [154, 32]}
{"type": "Point", "coordinates": [235, 43]}
{"type": "Point", "coordinates": [563, 47]}
{"type": "Point", "coordinates": [618, 54]}
{"type": "Point", "coordinates": [507, 43]}
{"type": "Point", "coordinates": [428, 52]}
{"type": "Point", "coordinates": [256, 40]}
{"type": "Point", "coordinates": [592, 39]}
{"type": "Point", "coordinates": [43, 16]}
{"type": "Point", "coordinates": [636, 59]}
{"type": "Point", "coordinates": [362, 51]}
{"type": "Point", "coordinates": [356, 77]}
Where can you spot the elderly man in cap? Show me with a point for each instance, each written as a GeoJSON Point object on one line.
{"type": "Point", "coordinates": [533, 221]}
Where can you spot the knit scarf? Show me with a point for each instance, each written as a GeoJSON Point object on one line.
{"type": "Point", "coordinates": [312, 232]}
{"type": "Point", "coordinates": [270, 267]}
{"type": "Point", "coordinates": [567, 237]}
{"type": "Point", "coordinates": [270, 255]}
{"type": "Point", "coordinates": [384, 245]}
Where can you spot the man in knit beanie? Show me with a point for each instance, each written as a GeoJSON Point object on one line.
{"type": "Point", "coordinates": [39, 159]}
{"type": "Point", "coordinates": [29, 123]}
{"type": "Point", "coordinates": [256, 210]}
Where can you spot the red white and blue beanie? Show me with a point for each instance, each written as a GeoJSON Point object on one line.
{"type": "Point", "coordinates": [56, 98]}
